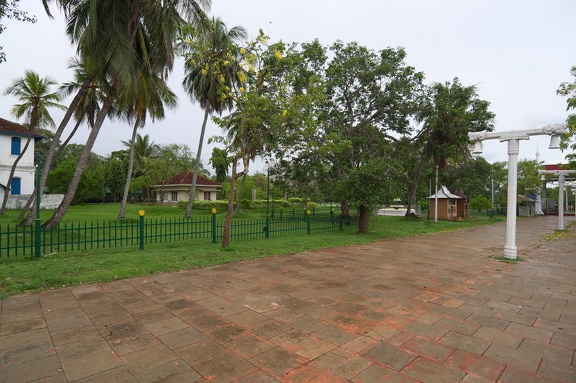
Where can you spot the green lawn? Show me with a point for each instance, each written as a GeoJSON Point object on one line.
{"type": "Point", "coordinates": [26, 274]}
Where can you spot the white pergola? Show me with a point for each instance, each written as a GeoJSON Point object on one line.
{"type": "Point", "coordinates": [513, 138]}
{"type": "Point", "coordinates": [561, 174]}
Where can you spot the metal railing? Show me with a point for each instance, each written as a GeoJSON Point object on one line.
{"type": "Point", "coordinates": [78, 236]}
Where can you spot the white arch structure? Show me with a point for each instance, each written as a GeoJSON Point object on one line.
{"type": "Point", "coordinates": [514, 137]}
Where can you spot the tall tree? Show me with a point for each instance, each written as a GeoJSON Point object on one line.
{"type": "Point", "coordinates": [86, 104]}
{"type": "Point", "coordinates": [211, 67]}
{"type": "Point", "coordinates": [370, 98]}
{"type": "Point", "coordinates": [220, 162]}
{"type": "Point", "coordinates": [117, 40]}
{"type": "Point", "coordinates": [568, 90]}
{"type": "Point", "coordinates": [35, 97]}
{"type": "Point", "coordinates": [152, 95]}
{"type": "Point", "coordinates": [449, 113]}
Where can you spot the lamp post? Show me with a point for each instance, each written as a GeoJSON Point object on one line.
{"type": "Point", "coordinates": [513, 138]}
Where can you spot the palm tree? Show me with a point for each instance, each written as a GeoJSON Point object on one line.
{"type": "Point", "coordinates": [85, 108]}
{"type": "Point", "coordinates": [152, 94]}
{"type": "Point", "coordinates": [35, 98]}
{"type": "Point", "coordinates": [144, 150]}
{"type": "Point", "coordinates": [117, 40]}
{"type": "Point", "coordinates": [451, 112]}
{"type": "Point", "coordinates": [210, 73]}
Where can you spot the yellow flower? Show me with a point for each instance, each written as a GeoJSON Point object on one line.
{"type": "Point", "coordinates": [241, 89]}
{"type": "Point", "coordinates": [203, 71]}
{"type": "Point", "coordinates": [221, 78]}
{"type": "Point", "coordinates": [263, 39]}
{"type": "Point", "coordinates": [225, 63]}
{"type": "Point", "coordinates": [278, 55]}
{"type": "Point", "coordinates": [284, 113]}
{"type": "Point", "coordinates": [242, 51]}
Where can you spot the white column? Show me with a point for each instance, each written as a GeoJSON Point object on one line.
{"type": "Point", "coordinates": [561, 201]}
{"type": "Point", "coordinates": [510, 249]}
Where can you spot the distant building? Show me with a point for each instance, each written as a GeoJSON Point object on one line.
{"type": "Point", "coordinates": [13, 138]}
{"type": "Point", "coordinates": [177, 188]}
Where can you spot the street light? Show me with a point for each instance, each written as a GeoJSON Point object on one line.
{"type": "Point", "coordinates": [513, 137]}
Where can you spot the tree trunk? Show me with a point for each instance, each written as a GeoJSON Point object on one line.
{"type": "Point", "coordinates": [122, 212]}
{"type": "Point", "coordinates": [363, 220]}
{"type": "Point", "coordinates": [11, 176]}
{"type": "Point", "coordinates": [230, 208]}
{"type": "Point", "coordinates": [411, 194]}
{"type": "Point", "coordinates": [27, 205]}
{"type": "Point", "coordinates": [345, 208]}
{"type": "Point", "coordinates": [53, 221]}
{"type": "Point", "coordinates": [50, 157]}
{"type": "Point", "coordinates": [196, 167]}
{"type": "Point", "coordinates": [240, 192]}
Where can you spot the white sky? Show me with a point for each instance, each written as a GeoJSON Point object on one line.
{"type": "Point", "coordinates": [517, 52]}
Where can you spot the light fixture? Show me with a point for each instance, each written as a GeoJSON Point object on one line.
{"type": "Point", "coordinates": [554, 142]}
{"type": "Point", "coordinates": [477, 147]}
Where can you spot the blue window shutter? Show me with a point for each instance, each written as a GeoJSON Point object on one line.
{"type": "Point", "coordinates": [15, 146]}
{"type": "Point", "coordinates": [15, 186]}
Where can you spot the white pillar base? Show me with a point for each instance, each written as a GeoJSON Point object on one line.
{"type": "Point", "coordinates": [510, 252]}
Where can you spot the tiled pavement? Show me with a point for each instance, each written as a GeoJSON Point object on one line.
{"type": "Point", "coordinates": [431, 309]}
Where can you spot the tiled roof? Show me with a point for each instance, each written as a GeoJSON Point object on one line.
{"type": "Point", "coordinates": [555, 167]}
{"type": "Point", "coordinates": [444, 193]}
{"type": "Point", "coordinates": [185, 178]}
{"type": "Point", "coordinates": [9, 127]}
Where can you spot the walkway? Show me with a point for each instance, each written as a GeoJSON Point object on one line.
{"type": "Point", "coordinates": [431, 309]}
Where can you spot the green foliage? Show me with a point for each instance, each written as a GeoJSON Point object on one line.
{"type": "Point", "coordinates": [480, 202]}
{"type": "Point", "coordinates": [568, 90]}
{"type": "Point", "coordinates": [370, 184]}
{"type": "Point", "coordinates": [92, 184]}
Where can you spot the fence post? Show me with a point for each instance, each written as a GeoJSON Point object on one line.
{"type": "Point", "coordinates": [280, 212]}
{"type": "Point", "coordinates": [308, 220]}
{"type": "Point", "coordinates": [332, 215]}
{"type": "Point", "coordinates": [141, 213]}
{"type": "Point", "coordinates": [213, 225]}
{"type": "Point", "coordinates": [341, 219]}
{"type": "Point", "coordinates": [37, 220]}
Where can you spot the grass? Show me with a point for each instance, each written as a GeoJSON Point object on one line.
{"type": "Point", "coordinates": [24, 274]}
{"type": "Point", "coordinates": [508, 260]}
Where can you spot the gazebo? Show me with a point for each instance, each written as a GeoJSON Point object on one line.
{"type": "Point", "coordinates": [447, 204]}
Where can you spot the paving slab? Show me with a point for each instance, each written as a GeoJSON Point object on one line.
{"type": "Point", "coordinates": [434, 308]}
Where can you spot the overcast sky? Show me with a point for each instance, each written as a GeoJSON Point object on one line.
{"type": "Point", "coordinates": [517, 52]}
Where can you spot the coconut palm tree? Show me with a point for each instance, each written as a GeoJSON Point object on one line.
{"type": "Point", "coordinates": [153, 94]}
{"type": "Point", "coordinates": [35, 98]}
{"type": "Point", "coordinates": [86, 106]}
{"type": "Point", "coordinates": [117, 40]}
{"type": "Point", "coordinates": [211, 69]}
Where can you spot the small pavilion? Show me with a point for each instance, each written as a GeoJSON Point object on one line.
{"type": "Point", "coordinates": [447, 204]}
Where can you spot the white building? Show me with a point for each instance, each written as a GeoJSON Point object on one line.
{"type": "Point", "coordinates": [13, 138]}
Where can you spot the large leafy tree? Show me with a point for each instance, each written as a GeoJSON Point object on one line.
{"type": "Point", "coordinates": [568, 90]}
{"type": "Point", "coordinates": [35, 98]}
{"type": "Point", "coordinates": [370, 98]}
{"type": "Point", "coordinates": [117, 40]}
{"type": "Point", "coordinates": [211, 72]}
